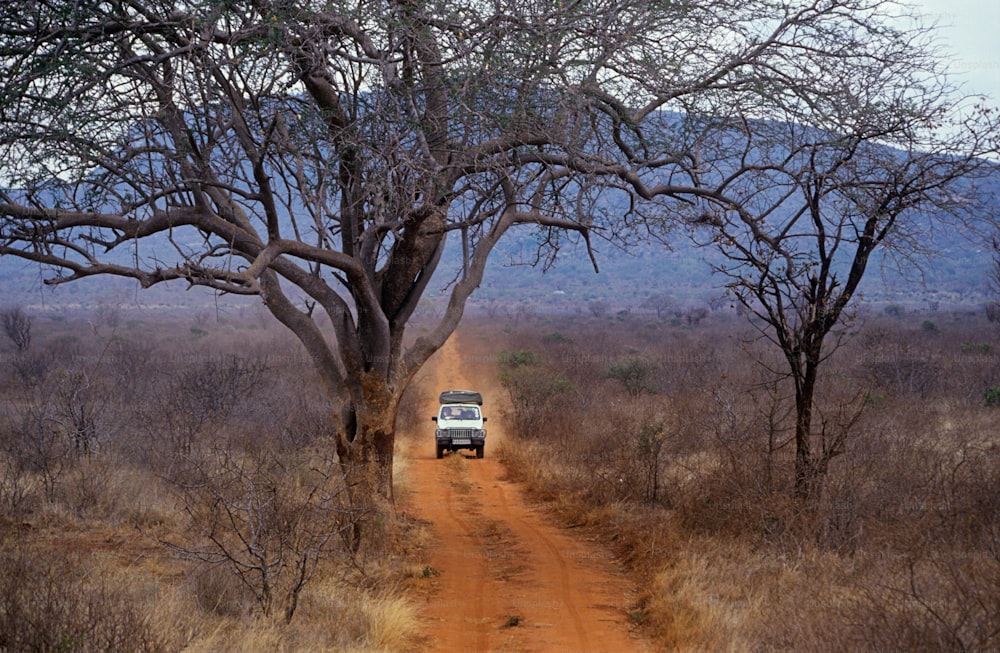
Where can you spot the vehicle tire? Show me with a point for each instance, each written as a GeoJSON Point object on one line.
{"type": "Point", "coordinates": [440, 451]}
{"type": "Point", "coordinates": [479, 450]}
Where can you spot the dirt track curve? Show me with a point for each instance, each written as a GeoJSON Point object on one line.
{"type": "Point", "coordinates": [502, 576]}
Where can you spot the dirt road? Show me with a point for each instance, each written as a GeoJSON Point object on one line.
{"type": "Point", "coordinates": [501, 576]}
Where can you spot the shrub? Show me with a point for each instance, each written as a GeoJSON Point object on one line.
{"type": "Point", "coordinates": [17, 326]}
{"type": "Point", "coordinates": [633, 372]}
{"type": "Point", "coordinates": [557, 337]}
{"type": "Point", "coordinates": [52, 603]}
{"type": "Point", "coordinates": [893, 310]}
{"type": "Point", "coordinates": [534, 393]}
{"type": "Point", "coordinates": [513, 359]}
{"type": "Point", "coordinates": [15, 490]}
{"type": "Point", "coordinates": [266, 518]}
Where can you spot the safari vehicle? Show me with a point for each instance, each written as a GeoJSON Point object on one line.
{"type": "Point", "coordinates": [460, 422]}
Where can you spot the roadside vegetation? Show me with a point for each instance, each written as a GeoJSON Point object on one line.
{"type": "Point", "coordinates": [204, 510]}
{"type": "Point", "coordinates": [675, 444]}
{"type": "Point", "coordinates": [176, 492]}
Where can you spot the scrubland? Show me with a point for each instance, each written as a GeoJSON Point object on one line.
{"type": "Point", "coordinates": [170, 484]}
{"type": "Point", "coordinates": [670, 441]}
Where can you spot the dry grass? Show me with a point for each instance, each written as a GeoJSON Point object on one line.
{"type": "Point", "coordinates": [901, 553]}
{"type": "Point", "coordinates": [392, 623]}
{"type": "Point", "coordinates": [336, 616]}
{"type": "Point", "coordinates": [91, 520]}
{"type": "Point", "coordinates": [688, 482]}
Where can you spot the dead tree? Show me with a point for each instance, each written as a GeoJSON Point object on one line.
{"type": "Point", "coordinates": [801, 212]}
{"type": "Point", "coordinates": [17, 326]}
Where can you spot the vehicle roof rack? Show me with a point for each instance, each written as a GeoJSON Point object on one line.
{"type": "Point", "coordinates": [461, 397]}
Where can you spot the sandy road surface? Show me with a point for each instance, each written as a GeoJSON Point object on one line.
{"type": "Point", "coordinates": [503, 577]}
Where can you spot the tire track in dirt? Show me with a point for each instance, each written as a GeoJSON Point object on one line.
{"type": "Point", "coordinates": [501, 577]}
{"type": "Point", "coordinates": [471, 585]}
{"type": "Point", "coordinates": [532, 534]}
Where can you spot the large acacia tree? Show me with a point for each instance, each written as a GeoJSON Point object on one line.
{"type": "Point", "coordinates": [321, 154]}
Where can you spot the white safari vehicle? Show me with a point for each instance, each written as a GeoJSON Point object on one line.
{"type": "Point", "coordinates": [460, 422]}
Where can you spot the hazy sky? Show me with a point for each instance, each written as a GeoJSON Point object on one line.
{"type": "Point", "coordinates": [970, 29]}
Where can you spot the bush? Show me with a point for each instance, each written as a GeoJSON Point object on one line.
{"type": "Point", "coordinates": [633, 372]}
{"type": "Point", "coordinates": [556, 338]}
{"type": "Point", "coordinates": [50, 603]}
{"type": "Point", "coordinates": [267, 518]}
{"type": "Point", "coordinates": [17, 326]}
{"type": "Point", "coordinates": [893, 310]}
{"type": "Point", "coordinates": [535, 393]}
{"type": "Point", "coordinates": [509, 360]}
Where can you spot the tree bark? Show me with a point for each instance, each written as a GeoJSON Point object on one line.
{"type": "Point", "coordinates": [805, 469]}
{"type": "Point", "coordinates": [365, 448]}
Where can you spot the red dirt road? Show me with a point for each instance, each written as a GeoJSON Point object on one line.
{"type": "Point", "coordinates": [502, 577]}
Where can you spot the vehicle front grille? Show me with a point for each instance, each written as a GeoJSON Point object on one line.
{"type": "Point", "coordinates": [462, 433]}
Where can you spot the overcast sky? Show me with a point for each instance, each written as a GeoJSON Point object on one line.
{"type": "Point", "coordinates": [970, 29]}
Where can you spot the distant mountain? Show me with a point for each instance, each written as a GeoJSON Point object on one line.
{"type": "Point", "coordinates": [955, 272]}
{"type": "Point", "coordinates": [956, 275]}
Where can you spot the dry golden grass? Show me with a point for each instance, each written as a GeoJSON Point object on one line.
{"type": "Point", "coordinates": [95, 529]}
{"type": "Point", "coordinates": [401, 480]}
{"type": "Point", "coordinates": [392, 623]}
{"type": "Point", "coordinates": [901, 553]}
{"type": "Point", "coordinates": [336, 617]}
{"type": "Point", "coordinates": [897, 553]}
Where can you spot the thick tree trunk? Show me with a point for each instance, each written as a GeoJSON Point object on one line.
{"type": "Point", "coordinates": [368, 478]}
{"type": "Point", "coordinates": [365, 448]}
{"type": "Point", "coordinates": [368, 459]}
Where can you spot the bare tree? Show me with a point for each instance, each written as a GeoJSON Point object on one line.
{"type": "Point", "coordinates": [206, 394]}
{"type": "Point", "coordinates": [321, 155]}
{"type": "Point", "coordinates": [695, 315]}
{"type": "Point", "coordinates": [800, 212]}
{"type": "Point", "coordinates": [36, 444]}
{"type": "Point", "coordinates": [660, 303]}
{"type": "Point", "coordinates": [267, 523]}
{"type": "Point", "coordinates": [17, 326]}
{"type": "Point", "coordinates": [995, 272]}
{"type": "Point", "coordinates": [598, 308]}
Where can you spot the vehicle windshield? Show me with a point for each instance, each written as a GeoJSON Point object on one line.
{"type": "Point", "coordinates": [459, 412]}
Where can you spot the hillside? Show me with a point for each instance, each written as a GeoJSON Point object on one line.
{"type": "Point", "coordinates": [955, 275]}
{"type": "Point", "coordinates": [952, 270]}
